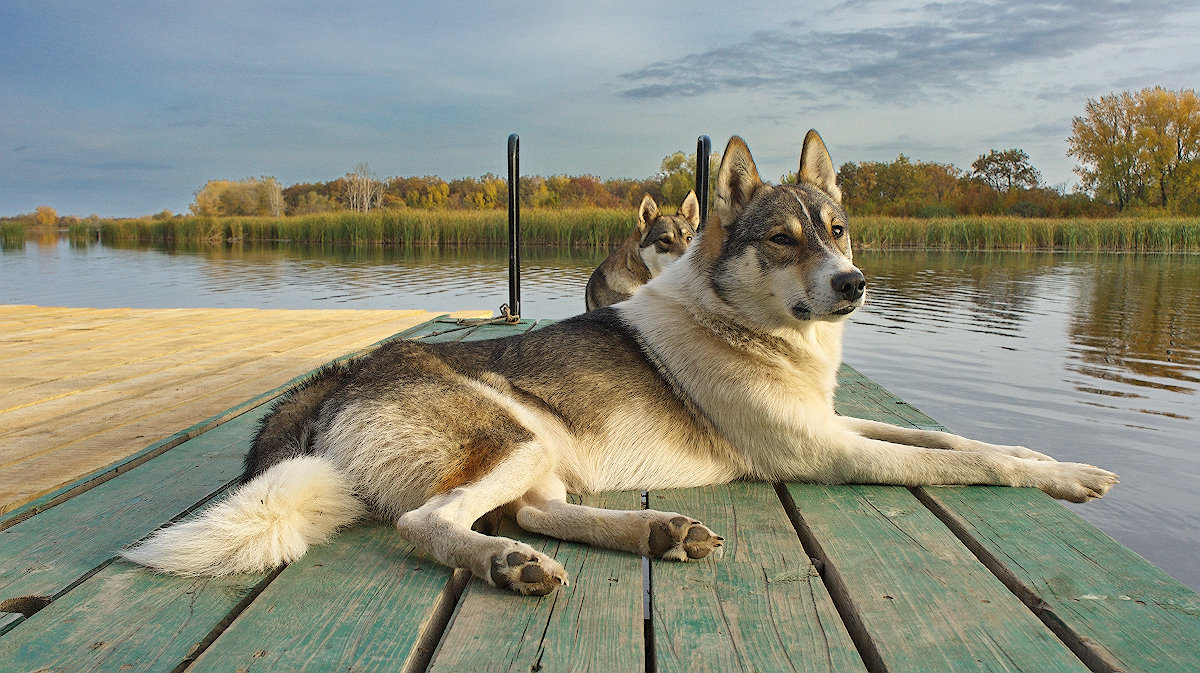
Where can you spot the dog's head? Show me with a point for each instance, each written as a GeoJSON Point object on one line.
{"type": "Point", "coordinates": [781, 254]}
{"type": "Point", "coordinates": [665, 237]}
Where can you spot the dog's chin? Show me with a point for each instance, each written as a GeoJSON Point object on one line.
{"type": "Point", "coordinates": [803, 311]}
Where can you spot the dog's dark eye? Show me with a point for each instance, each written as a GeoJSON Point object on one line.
{"type": "Point", "coordinates": [837, 230]}
{"type": "Point", "coordinates": [783, 239]}
{"type": "Point", "coordinates": [687, 239]}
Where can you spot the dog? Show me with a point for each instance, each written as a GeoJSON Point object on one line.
{"type": "Point", "coordinates": [721, 368]}
{"type": "Point", "coordinates": [656, 241]}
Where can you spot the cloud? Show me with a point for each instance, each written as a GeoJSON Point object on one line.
{"type": "Point", "coordinates": [945, 49]}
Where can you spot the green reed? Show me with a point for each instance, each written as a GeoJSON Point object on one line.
{"type": "Point", "coordinates": [596, 227]}
{"type": "Point", "coordinates": [1132, 234]}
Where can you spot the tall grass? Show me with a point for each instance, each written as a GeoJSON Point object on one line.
{"type": "Point", "coordinates": [580, 227]}
{"type": "Point", "coordinates": [1129, 234]}
{"type": "Point", "coordinates": [606, 228]}
{"type": "Point", "coordinates": [12, 232]}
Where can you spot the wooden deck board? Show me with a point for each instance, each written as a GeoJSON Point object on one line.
{"type": "Point", "coordinates": [760, 607]}
{"type": "Point", "coordinates": [907, 579]}
{"type": "Point", "coordinates": [82, 388]}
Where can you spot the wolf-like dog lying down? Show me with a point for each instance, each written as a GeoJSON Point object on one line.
{"type": "Point", "coordinates": [656, 241]}
{"type": "Point", "coordinates": [722, 368]}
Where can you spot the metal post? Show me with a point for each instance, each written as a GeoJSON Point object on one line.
{"type": "Point", "coordinates": [514, 226]}
{"type": "Point", "coordinates": [703, 150]}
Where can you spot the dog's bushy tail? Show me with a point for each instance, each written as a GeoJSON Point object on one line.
{"type": "Point", "coordinates": [271, 519]}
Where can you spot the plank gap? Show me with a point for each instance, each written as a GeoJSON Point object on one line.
{"type": "Point", "coordinates": [835, 584]}
{"type": "Point", "coordinates": [433, 632]}
{"type": "Point", "coordinates": [217, 630]}
{"type": "Point", "coordinates": [1096, 660]}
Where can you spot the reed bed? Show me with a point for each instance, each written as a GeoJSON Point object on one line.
{"type": "Point", "coordinates": [13, 232]}
{"type": "Point", "coordinates": [606, 228]}
{"type": "Point", "coordinates": [596, 227]}
{"type": "Point", "coordinates": [1127, 234]}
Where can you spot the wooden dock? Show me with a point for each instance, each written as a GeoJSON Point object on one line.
{"type": "Point", "coordinates": [813, 578]}
{"type": "Point", "coordinates": [83, 388]}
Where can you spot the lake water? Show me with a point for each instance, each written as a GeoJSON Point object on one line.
{"type": "Point", "coordinates": [1088, 357]}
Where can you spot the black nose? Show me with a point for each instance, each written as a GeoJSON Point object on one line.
{"type": "Point", "coordinates": [850, 285]}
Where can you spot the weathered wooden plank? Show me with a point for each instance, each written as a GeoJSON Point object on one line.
{"type": "Point", "coordinates": [49, 553]}
{"type": "Point", "coordinates": [126, 619]}
{"type": "Point", "coordinates": [1068, 572]}
{"type": "Point", "coordinates": [1115, 609]}
{"type": "Point", "coordinates": [359, 603]}
{"type": "Point", "coordinates": [50, 548]}
{"type": "Point", "coordinates": [595, 624]}
{"type": "Point", "coordinates": [761, 607]}
{"type": "Point", "coordinates": [914, 597]}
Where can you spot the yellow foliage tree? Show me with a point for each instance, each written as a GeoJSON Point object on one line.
{"type": "Point", "coordinates": [45, 215]}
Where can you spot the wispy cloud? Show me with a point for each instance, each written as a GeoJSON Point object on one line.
{"type": "Point", "coordinates": [952, 49]}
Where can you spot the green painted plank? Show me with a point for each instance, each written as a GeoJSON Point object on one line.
{"type": "Point", "coordinates": [761, 607]}
{"type": "Point", "coordinates": [1040, 550]}
{"type": "Point", "coordinates": [1118, 611]}
{"type": "Point", "coordinates": [595, 624]}
{"type": "Point", "coordinates": [47, 554]}
{"type": "Point", "coordinates": [914, 597]}
{"type": "Point", "coordinates": [359, 603]}
{"type": "Point", "coordinates": [860, 397]}
{"type": "Point", "coordinates": [125, 619]}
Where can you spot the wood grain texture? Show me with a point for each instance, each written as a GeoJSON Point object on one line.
{"type": "Point", "coordinates": [82, 388]}
{"type": "Point", "coordinates": [595, 624]}
{"type": "Point", "coordinates": [916, 598]}
{"type": "Point", "coordinates": [359, 603]}
{"type": "Point", "coordinates": [761, 607]}
{"type": "Point", "coordinates": [1116, 610]}
{"type": "Point", "coordinates": [126, 619]}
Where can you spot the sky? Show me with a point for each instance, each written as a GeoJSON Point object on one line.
{"type": "Point", "coordinates": [128, 108]}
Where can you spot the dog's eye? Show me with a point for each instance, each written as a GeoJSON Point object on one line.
{"type": "Point", "coordinates": [687, 239]}
{"type": "Point", "coordinates": [837, 230]}
{"type": "Point", "coordinates": [783, 239]}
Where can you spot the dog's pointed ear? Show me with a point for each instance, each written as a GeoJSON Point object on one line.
{"type": "Point", "coordinates": [737, 181]}
{"type": "Point", "coordinates": [691, 209]}
{"type": "Point", "coordinates": [646, 213]}
{"type": "Point", "coordinates": [816, 168]}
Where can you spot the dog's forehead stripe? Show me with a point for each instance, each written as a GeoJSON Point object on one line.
{"type": "Point", "coordinates": [802, 206]}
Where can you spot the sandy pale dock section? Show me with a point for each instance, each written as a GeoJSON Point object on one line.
{"type": "Point", "coordinates": [81, 388]}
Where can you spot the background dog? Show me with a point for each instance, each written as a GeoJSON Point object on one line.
{"type": "Point", "coordinates": [656, 241]}
{"type": "Point", "coordinates": [721, 368]}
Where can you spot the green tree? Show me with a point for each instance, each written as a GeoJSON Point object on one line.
{"type": "Point", "coordinates": [1006, 170]}
{"type": "Point", "coordinates": [678, 175]}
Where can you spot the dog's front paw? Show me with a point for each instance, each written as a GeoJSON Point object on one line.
{"type": "Point", "coordinates": [1076, 482]}
{"type": "Point", "coordinates": [679, 538]}
{"type": "Point", "coordinates": [527, 571]}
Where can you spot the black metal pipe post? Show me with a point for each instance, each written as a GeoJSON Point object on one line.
{"type": "Point", "coordinates": [703, 150]}
{"type": "Point", "coordinates": [514, 225]}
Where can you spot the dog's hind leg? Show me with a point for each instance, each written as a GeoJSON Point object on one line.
{"type": "Point", "coordinates": [442, 526]}
{"type": "Point", "coordinates": [666, 535]}
{"type": "Point", "coordinates": [933, 439]}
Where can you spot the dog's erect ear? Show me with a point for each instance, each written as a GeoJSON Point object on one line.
{"type": "Point", "coordinates": [816, 168]}
{"type": "Point", "coordinates": [737, 181]}
{"type": "Point", "coordinates": [691, 209]}
{"type": "Point", "coordinates": [646, 212]}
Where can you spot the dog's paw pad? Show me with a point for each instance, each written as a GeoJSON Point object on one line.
{"type": "Point", "coordinates": [680, 538]}
{"type": "Point", "coordinates": [527, 572]}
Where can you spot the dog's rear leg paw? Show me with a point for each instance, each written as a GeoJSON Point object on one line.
{"type": "Point", "coordinates": [526, 571]}
{"type": "Point", "coordinates": [679, 538]}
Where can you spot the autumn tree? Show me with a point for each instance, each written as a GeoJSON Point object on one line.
{"type": "Point", "coordinates": [1140, 148]}
{"type": "Point", "coordinates": [1006, 170]}
{"type": "Point", "coordinates": [252, 196]}
{"type": "Point", "coordinates": [45, 215]}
